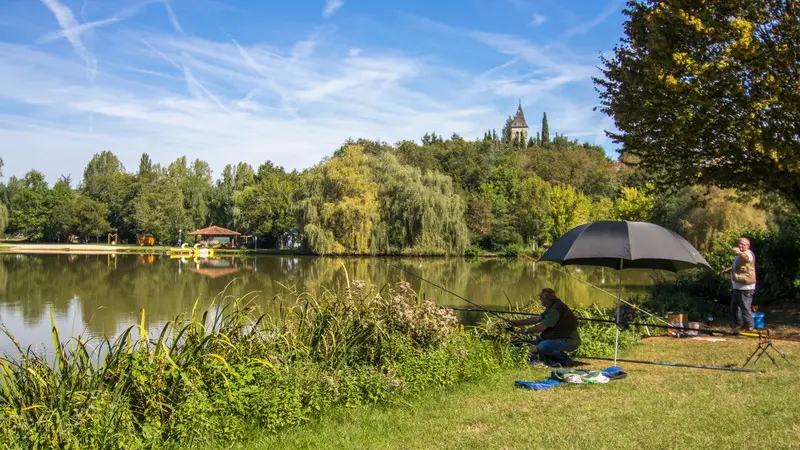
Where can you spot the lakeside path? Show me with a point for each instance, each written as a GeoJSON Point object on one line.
{"type": "Point", "coordinates": [92, 249]}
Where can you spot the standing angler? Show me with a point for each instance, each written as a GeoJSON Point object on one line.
{"type": "Point", "coordinates": [557, 328]}
{"type": "Point", "coordinates": [743, 279]}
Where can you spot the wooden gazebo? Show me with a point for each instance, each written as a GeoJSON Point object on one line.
{"type": "Point", "coordinates": [209, 233]}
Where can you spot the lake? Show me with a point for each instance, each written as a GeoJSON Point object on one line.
{"type": "Point", "coordinates": [100, 295]}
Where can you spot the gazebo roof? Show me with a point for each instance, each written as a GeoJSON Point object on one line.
{"type": "Point", "coordinates": [214, 231]}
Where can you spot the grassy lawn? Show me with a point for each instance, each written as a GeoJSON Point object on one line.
{"type": "Point", "coordinates": [655, 407]}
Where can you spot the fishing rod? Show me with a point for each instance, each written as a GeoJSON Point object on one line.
{"type": "Point", "coordinates": [451, 292]}
{"type": "Point", "coordinates": [670, 327]}
{"type": "Point", "coordinates": [671, 364]}
{"type": "Point", "coordinates": [600, 289]}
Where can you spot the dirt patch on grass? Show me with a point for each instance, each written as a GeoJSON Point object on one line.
{"type": "Point", "coordinates": [479, 428]}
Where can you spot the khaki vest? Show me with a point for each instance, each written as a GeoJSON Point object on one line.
{"type": "Point", "coordinates": [744, 272]}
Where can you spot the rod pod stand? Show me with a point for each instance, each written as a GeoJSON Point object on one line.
{"type": "Point", "coordinates": [764, 344]}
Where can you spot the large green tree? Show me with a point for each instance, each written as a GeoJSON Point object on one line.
{"type": "Point", "coordinates": [29, 205]}
{"type": "Point", "coordinates": [533, 210]}
{"type": "Point", "coordinates": [350, 207]}
{"type": "Point", "coordinates": [709, 92]}
{"type": "Point", "coordinates": [568, 208]}
{"type": "Point", "coordinates": [223, 203]}
{"type": "Point", "coordinates": [266, 206]}
{"type": "Point", "coordinates": [105, 181]}
{"type": "Point", "coordinates": [90, 218]}
{"type": "Point", "coordinates": [158, 209]}
{"type": "Point", "coordinates": [61, 217]}
{"type": "Point", "coordinates": [195, 182]}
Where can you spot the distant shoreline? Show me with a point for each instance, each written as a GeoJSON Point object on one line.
{"type": "Point", "coordinates": [105, 249]}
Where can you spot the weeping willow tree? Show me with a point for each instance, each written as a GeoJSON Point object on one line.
{"type": "Point", "coordinates": [420, 212]}
{"type": "Point", "coordinates": [337, 204]}
{"type": "Point", "coordinates": [710, 213]}
{"type": "Point", "coordinates": [363, 204]}
{"type": "Point", "coordinates": [350, 207]}
{"type": "Point", "coordinates": [307, 202]}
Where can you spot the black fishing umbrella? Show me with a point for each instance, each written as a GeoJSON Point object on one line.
{"type": "Point", "coordinates": [624, 245]}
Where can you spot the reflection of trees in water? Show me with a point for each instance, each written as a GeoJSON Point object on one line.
{"type": "Point", "coordinates": [112, 290]}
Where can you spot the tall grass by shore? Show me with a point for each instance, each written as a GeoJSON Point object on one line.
{"type": "Point", "coordinates": [221, 369]}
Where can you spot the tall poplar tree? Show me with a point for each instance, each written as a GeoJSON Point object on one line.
{"type": "Point", "coordinates": [545, 130]}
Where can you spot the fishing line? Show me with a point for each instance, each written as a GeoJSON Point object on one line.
{"type": "Point", "coordinates": [603, 291]}
{"type": "Point", "coordinates": [451, 292]}
{"type": "Point", "coordinates": [639, 324]}
{"type": "Point", "coordinates": [671, 364]}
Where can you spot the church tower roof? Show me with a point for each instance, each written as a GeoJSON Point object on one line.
{"type": "Point", "coordinates": [519, 119]}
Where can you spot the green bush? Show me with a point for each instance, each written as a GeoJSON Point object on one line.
{"type": "Point", "coordinates": [598, 337]}
{"type": "Point", "coordinates": [513, 250]}
{"type": "Point", "coordinates": [473, 251]}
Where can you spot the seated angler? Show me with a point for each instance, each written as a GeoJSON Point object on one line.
{"type": "Point", "coordinates": [557, 328]}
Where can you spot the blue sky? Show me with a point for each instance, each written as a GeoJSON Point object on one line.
{"type": "Point", "coordinates": [230, 81]}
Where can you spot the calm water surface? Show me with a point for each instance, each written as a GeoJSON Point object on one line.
{"type": "Point", "coordinates": [100, 295]}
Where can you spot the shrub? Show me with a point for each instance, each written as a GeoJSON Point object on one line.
{"type": "Point", "coordinates": [513, 250]}
{"type": "Point", "coordinates": [598, 337]}
{"type": "Point", "coordinates": [473, 251]}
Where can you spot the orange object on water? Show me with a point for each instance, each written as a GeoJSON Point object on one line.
{"type": "Point", "coordinates": [145, 240]}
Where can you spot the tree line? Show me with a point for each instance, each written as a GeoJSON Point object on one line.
{"type": "Point", "coordinates": [440, 196]}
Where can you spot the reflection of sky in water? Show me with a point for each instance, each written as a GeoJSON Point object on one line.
{"type": "Point", "coordinates": [36, 332]}
{"type": "Point", "coordinates": [101, 295]}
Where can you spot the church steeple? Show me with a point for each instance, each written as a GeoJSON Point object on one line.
{"type": "Point", "coordinates": [519, 128]}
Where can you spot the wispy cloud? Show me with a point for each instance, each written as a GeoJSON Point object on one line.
{"type": "Point", "coordinates": [292, 102]}
{"type": "Point", "coordinates": [538, 19]}
{"type": "Point", "coordinates": [331, 6]}
{"type": "Point", "coordinates": [199, 91]}
{"type": "Point", "coordinates": [548, 61]}
{"type": "Point", "coordinates": [267, 81]}
{"type": "Point", "coordinates": [173, 19]}
{"type": "Point", "coordinates": [77, 30]}
{"type": "Point", "coordinates": [585, 27]}
{"type": "Point", "coordinates": [239, 118]}
{"type": "Point", "coordinates": [71, 29]}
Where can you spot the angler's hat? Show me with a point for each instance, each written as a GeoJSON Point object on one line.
{"type": "Point", "coordinates": [548, 293]}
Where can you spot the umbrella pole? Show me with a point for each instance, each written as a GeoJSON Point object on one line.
{"type": "Point", "coordinates": [619, 295]}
